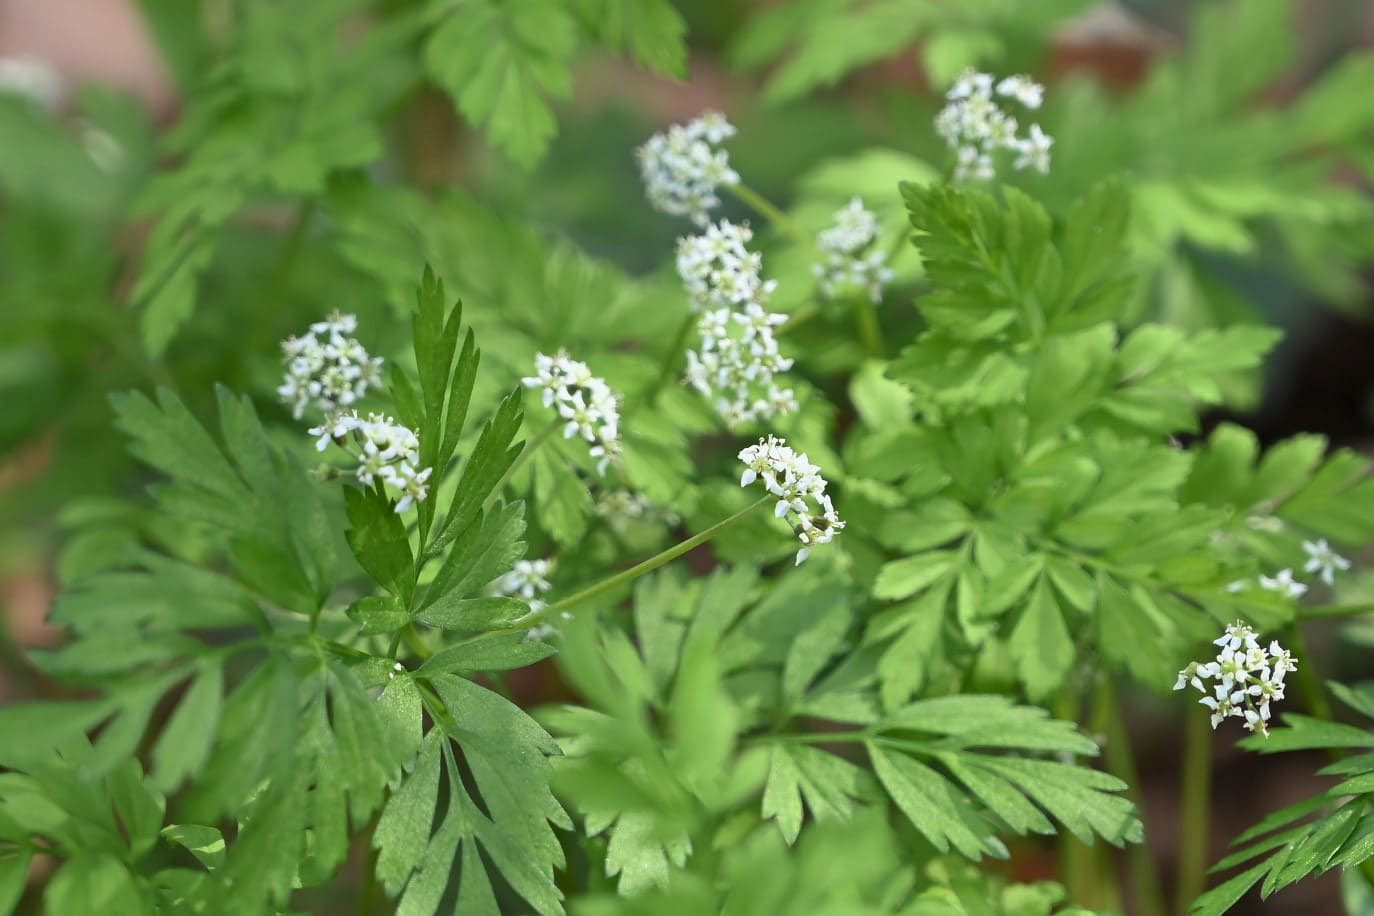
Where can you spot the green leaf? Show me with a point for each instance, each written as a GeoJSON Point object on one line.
{"type": "Point", "coordinates": [1221, 898]}
{"type": "Point", "coordinates": [1040, 644]}
{"type": "Point", "coordinates": [486, 549]}
{"type": "Point", "coordinates": [1304, 733]}
{"type": "Point", "coordinates": [487, 464]}
{"type": "Point", "coordinates": [782, 793]}
{"type": "Point", "coordinates": [499, 653]}
{"type": "Point", "coordinates": [653, 31]}
{"type": "Point", "coordinates": [185, 743]}
{"type": "Point", "coordinates": [205, 843]}
{"type": "Point", "coordinates": [93, 882]}
{"type": "Point", "coordinates": [562, 501]}
{"type": "Point", "coordinates": [379, 541]}
{"type": "Point", "coordinates": [14, 874]}
{"type": "Point", "coordinates": [378, 614]}
{"type": "Point", "coordinates": [940, 814]}
{"type": "Point", "coordinates": [403, 831]}
{"type": "Point", "coordinates": [473, 615]}
{"type": "Point", "coordinates": [501, 62]}
{"type": "Point", "coordinates": [905, 577]}
{"type": "Point", "coordinates": [1078, 797]}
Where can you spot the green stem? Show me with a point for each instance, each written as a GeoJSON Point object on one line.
{"type": "Point", "coordinates": [1144, 872]}
{"type": "Point", "coordinates": [650, 396]}
{"type": "Point", "coordinates": [1335, 610]}
{"type": "Point", "coordinates": [415, 644]}
{"type": "Point", "coordinates": [1077, 871]}
{"type": "Point", "coordinates": [1195, 826]}
{"type": "Point", "coordinates": [765, 208]}
{"type": "Point", "coordinates": [639, 569]}
{"type": "Point", "coordinates": [866, 321]}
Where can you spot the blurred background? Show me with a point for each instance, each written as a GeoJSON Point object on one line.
{"type": "Point", "coordinates": [1246, 133]}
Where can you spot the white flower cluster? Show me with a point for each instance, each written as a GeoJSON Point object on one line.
{"type": "Point", "coordinates": [586, 402]}
{"type": "Point", "coordinates": [846, 265]}
{"type": "Point", "coordinates": [738, 363]}
{"type": "Point", "coordinates": [1248, 677]}
{"type": "Point", "coordinates": [327, 367]}
{"type": "Point", "coordinates": [386, 451]}
{"type": "Point", "coordinates": [719, 271]}
{"type": "Point", "coordinates": [975, 126]}
{"type": "Point", "coordinates": [527, 579]}
{"type": "Point", "coordinates": [799, 487]}
{"type": "Point", "coordinates": [682, 166]}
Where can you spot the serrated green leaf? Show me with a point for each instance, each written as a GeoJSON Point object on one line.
{"type": "Point", "coordinates": [379, 541]}
{"type": "Point", "coordinates": [185, 743]}
{"type": "Point", "coordinates": [782, 793]}
{"type": "Point", "coordinates": [1040, 644]}
{"type": "Point", "coordinates": [486, 549]}
{"type": "Point", "coordinates": [905, 577]}
{"type": "Point", "coordinates": [652, 31]}
{"type": "Point", "coordinates": [403, 831]}
{"type": "Point", "coordinates": [378, 614]}
{"type": "Point", "coordinates": [501, 62]}
{"type": "Point", "coordinates": [500, 653]}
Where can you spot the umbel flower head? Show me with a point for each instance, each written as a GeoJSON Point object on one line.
{"type": "Point", "coordinates": [1248, 678]}
{"type": "Point", "coordinates": [737, 360]}
{"type": "Point", "coordinates": [683, 166]}
{"type": "Point", "coordinates": [387, 452]}
{"type": "Point", "coordinates": [327, 367]}
{"type": "Point", "coordinates": [585, 402]}
{"type": "Point", "coordinates": [737, 364]}
{"type": "Point", "coordinates": [850, 260]}
{"type": "Point", "coordinates": [799, 487]}
{"type": "Point", "coordinates": [973, 124]}
{"type": "Point", "coordinates": [719, 271]}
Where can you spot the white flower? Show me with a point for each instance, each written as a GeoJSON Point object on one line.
{"type": "Point", "coordinates": [799, 488]}
{"type": "Point", "coordinates": [1283, 582]}
{"type": "Point", "coordinates": [327, 367]}
{"type": "Point", "coordinates": [1249, 677]}
{"type": "Point", "coordinates": [527, 579]}
{"type": "Point", "coordinates": [588, 406]}
{"type": "Point", "coordinates": [1024, 89]}
{"type": "Point", "coordinates": [737, 364]}
{"type": "Point", "coordinates": [32, 78]}
{"type": "Point", "coordinates": [1322, 557]}
{"type": "Point", "coordinates": [682, 166]}
{"type": "Point", "coordinates": [846, 266]}
{"type": "Point", "coordinates": [387, 453]}
{"type": "Point", "coordinates": [1034, 150]}
{"type": "Point", "coordinates": [975, 126]}
{"type": "Point", "coordinates": [719, 271]}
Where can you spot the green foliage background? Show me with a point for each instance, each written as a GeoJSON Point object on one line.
{"type": "Point", "coordinates": [272, 692]}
